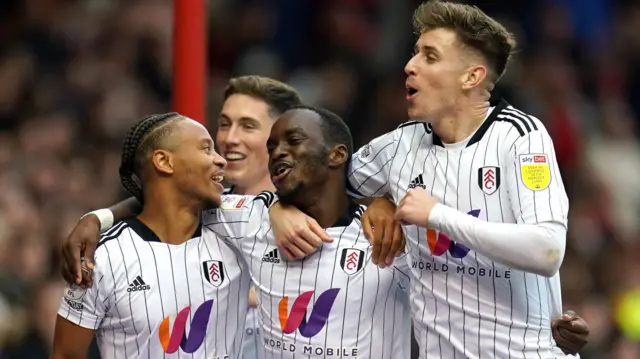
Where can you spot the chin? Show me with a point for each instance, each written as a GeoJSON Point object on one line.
{"type": "Point", "coordinates": [290, 194]}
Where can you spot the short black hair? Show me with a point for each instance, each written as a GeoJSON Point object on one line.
{"type": "Point", "coordinates": [334, 130]}
{"type": "Point", "coordinates": [143, 138]}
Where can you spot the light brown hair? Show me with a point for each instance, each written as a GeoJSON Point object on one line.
{"type": "Point", "coordinates": [279, 96]}
{"type": "Point", "coordinates": [474, 28]}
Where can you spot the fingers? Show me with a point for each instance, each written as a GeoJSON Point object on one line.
{"type": "Point", "coordinates": [76, 260]}
{"type": "Point", "coordinates": [385, 247]}
{"type": "Point", "coordinates": [403, 244]}
{"type": "Point", "coordinates": [396, 244]}
{"type": "Point", "coordinates": [567, 342]}
{"type": "Point", "coordinates": [376, 245]}
{"type": "Point", "coordinates": [67, 273]}
{"type": "Point", "coordinates": [319, 232]}
{"type": "Point", "coordinates": [287, 253]}
{"type": "Point", "coordinates": [569, 315]}
{"type": "Point", "coordinates": [367, 228]}
{"type": "Point", "coordinates": [575, 325]}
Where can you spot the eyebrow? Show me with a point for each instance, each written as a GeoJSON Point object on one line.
{"type": "Point", "coordinates": [426, 48]}
{"type": "Point", "coordinates": [295, 130]}
{"type": "Point", "coordinates": [244, 118]}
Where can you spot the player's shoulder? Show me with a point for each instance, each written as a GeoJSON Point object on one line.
{"type": "Point", "coordinates": [110, 236]}
{"type": "Point", "coordinates": [513, 120]}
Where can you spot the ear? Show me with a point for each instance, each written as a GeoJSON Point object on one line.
{"type": "Point", "coordinates": [474, 76]}
{"type": "Point", "coordinates": [338, 155]}
{"type": "Point", "coordinates": [163, 161]}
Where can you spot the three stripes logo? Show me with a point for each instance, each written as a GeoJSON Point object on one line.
{"type": "Point", "coordinates": [213, 272]}
{"type": "Point", "coordinates": [351, 260]}
{"type": "Point", "coordinates": [272, 257]}
{"type": "Point", "coordinates": [417, 182]}
{"type": "Point", "coordinates": [138, 285]}
{"type": "Point", "coordinates": [297, 317]}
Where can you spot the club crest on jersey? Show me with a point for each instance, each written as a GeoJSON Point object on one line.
{"type": "Point", "coordinates": [232, 202]}
{"type": "Point", "coordinates": [534, 170]}
{"type": "Point", "coordinates": [352, 260]}
{"type": "Point", "coordinates": [489, 179]}
{"type": "Point", "coordinates": [213, 272]}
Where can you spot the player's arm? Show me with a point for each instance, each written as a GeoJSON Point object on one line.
{"type": "Point", "coordinates": [81, 243]}
{"type": "Point", "coordinates": [70, 341]}
{"type": "Point", "coordinates": [81, 312]}
{"type": "Point", "coordinates": [536, 243]}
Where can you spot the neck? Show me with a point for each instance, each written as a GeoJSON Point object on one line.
{"type": "Point", "coordinates": [265, 184]}
{"type": "Point", "coordinates": [170, 217]}
{"type": "Point", "coordinates": [465, 119]}
{"type": "Point", "coordinates": [327, 209]}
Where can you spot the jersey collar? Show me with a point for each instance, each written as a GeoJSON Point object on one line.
{"type": "Point", "coordinates": [147, 234]}
{"type": "Point", "coordinates": [499, 104]}
{"type": "Point", "coordinates": [345, 219]}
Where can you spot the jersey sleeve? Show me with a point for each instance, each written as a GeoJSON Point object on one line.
{"type": "Point", "coordinates": [87, 307]}
{"type": "Point", "coordinates": [233, 218]}
{"type": "Point", "coordinates": [536, 191]}
{"type": "Point", "coordinates": [369, 168]}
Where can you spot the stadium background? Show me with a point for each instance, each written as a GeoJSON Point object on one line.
{"type": "Point", "coordinates": [74, 75]}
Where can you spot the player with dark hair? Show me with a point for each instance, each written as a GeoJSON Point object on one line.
{"type": "Point", "coordinates": [163, 285]}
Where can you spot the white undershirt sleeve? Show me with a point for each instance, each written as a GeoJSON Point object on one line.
{"type": "Point", "coordinates": [536, 248]}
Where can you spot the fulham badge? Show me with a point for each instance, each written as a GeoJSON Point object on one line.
{"type": "Point", "coordinates": [213, 272]}
{"type": "Point", "coordinates": [489, 179]}
{"type": "Point", "coordinates": [351, 260]}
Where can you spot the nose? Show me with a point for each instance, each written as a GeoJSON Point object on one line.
{"type": "Point", "coordinates": [278, 152]}
{"type": "Point", "coordinates": [232, 136]}
{"type": "Point", "coordinates": [409, 68]}
{"type": "Point", "coordinates": [219, 160]}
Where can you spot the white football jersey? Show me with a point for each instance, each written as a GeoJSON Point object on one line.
{"type": "Point", "coordinates": [465, 305]}
{"type": "Point", "coordinates": [156, 300]}
{"type": "Point", "coordinates": [334, 303]}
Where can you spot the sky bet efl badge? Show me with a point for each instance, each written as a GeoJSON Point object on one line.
{"type": "Point", "coordinates": [534, 169]}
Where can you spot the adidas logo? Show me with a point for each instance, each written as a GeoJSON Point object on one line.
{"type": "Point", "coordinates": [417, 182]}
{"type": "Point", "coordinates": [138, 285]}
{"type": "Point", "coordinates": [272, 257]}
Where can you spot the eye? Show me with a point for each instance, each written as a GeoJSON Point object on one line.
{"type": "Point", "coordinates": [207, 148]}
{"type": "Point", "coordinates": [249, 126]}
{"type": "Point", "coordinates": [431, 58]}
{"type": "Point", "coordinates": [223, 124]}
{"type": "Point", "coordinates": [294, 140]}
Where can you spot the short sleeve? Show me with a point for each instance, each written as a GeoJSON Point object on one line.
{"type": "Point", "coordinates": [536, 191]}
{"type": "Point", "coordinates": [232, 219]}
{"type": "Point", "coordinates": [87, 307]}
{"type": "Point", "coordinates": [370, 166]}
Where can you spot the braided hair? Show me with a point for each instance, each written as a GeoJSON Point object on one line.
{"type": "Point", "coordinates": [139, 140]}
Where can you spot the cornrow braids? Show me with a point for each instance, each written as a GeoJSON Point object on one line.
{"type": "Point", "coordinates": [131, 148]}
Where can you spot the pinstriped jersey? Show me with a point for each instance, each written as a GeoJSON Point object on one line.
{"type": "Point", "coordinates": [156, 300]}
{"type": "Point", "coordinates": [464, 304]}
{"type": "Point", "coordinates": [251, 347]}
{"type": "Point", "coordinates": [333, 304]}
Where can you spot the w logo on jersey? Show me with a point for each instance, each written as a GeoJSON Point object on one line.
{"type": "Point", "coordinates": [178, 338]}
{"type": "Point", "coordinates": [441, 243]}
{"type": "Point", "coordinates": [352, 260]}
{"type": "Point", "coordinates": [213, 272]}
{"type": "Point", "coordinates": [297, 318]}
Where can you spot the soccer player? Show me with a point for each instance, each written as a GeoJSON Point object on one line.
{"type": "Point", "coordinates": [478, 186]}
{"type": "Point", "coordinates": [336, 302]}
{"type": "Point", "coordinates": [163, 286]}
{"type": "Point", "coordinates": [251, 106]}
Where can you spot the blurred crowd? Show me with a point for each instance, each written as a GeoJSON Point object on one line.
{"type": "Point", "coordinates": [74, 75]}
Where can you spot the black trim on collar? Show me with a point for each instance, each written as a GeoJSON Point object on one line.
{"type": "Point", "coordinates": [499, 105]}
{"type": "Point", "coordinates": [353, 211]}
{"type": "Point", "coordinates": [147, 234]}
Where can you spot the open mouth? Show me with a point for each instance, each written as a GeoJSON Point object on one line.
{"type": "Point", "coordinates": [280, 171]}
{"type": "Point", "coordinates": [411, 92]}
{"type": "Point", "coordinates": [218, 178]}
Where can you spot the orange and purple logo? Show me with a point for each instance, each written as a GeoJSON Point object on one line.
{"type": "Point", "coordinates": [297, 318]}
{"type": "Point", "coordinates": [440, 243]}
{"type": "Point", "coordinates": [172, 340]}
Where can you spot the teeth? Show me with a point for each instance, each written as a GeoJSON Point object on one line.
{"type": "Point", "coordinates": [235, 156]}
{"type": "Point", "coordinates": [218, 178]}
